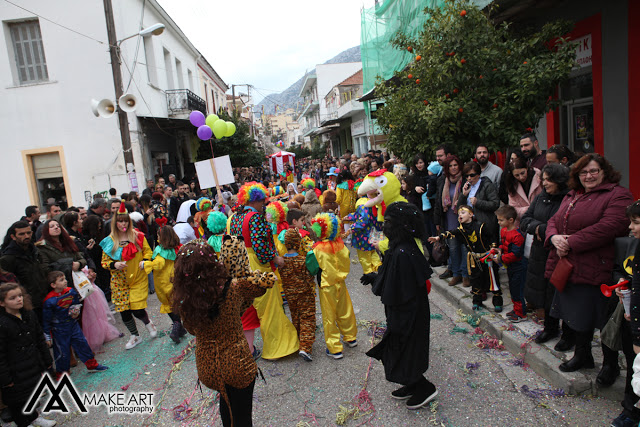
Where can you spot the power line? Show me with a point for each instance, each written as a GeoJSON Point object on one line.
{"type": "Point", "coordinates": [55, 23]}
{"type": "Point", "coordinates": [135, 57]}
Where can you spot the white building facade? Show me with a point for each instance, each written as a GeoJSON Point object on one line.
{"type": "Point", "coordinates": [54, 148]}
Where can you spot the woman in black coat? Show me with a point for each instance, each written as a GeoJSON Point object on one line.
{"type": "Point", "coordinates": [401, 283]}
{"type": "Point", "coordinates": [538, 290]}
{"type": "Point", "coordinates": [24, 354]}
{"type": "Point", "coordinates": [481, 194]}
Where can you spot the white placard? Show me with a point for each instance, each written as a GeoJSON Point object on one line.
{"type": "Point", "coordinates": [223, 170]}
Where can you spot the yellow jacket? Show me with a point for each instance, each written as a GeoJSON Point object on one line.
{"type": "Point", "coordinates": [335, 267]}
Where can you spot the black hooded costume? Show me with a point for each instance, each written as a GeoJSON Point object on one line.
{"type": "Point", "coordinates": [401, 282]}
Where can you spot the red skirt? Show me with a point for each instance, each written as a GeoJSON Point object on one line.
{"type": "Point", "coordinates": [250, 319]}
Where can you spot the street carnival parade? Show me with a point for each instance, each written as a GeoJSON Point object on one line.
{"type": "Point", "coordinates": [436, 227]}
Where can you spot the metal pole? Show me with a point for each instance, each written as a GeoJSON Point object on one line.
{"type": "Point", "coordinates": [114, 51]}
{"type": "Point", "coordinates": [233, 95]}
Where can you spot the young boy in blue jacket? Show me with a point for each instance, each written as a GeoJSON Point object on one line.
{"type": "Point", "coordinates": [61, 328]}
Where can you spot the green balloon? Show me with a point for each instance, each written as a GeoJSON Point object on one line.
{"type": "Point", "coordinates": [219, 128]}
{"type": "Point", "coordinates": [231, 129]}
{"type": "Point", "coordinates": [211, 119]}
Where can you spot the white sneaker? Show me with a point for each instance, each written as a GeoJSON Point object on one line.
{"type": "Point", "coordinates": [133, 341]}
{"type": "Point", "coordinates": [152, 329]}
{"type": "Point", "coordinates": [43, 422]}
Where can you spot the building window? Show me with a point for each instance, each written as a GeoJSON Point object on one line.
{"type": "Point", "coordinates": [179, 74]}
{"type": "Point", "coordinates": [190, 79]}
{"type": "Point", "coordinates": [168, 66]}
{"type": "Point", "coordinates": [26, 40]}
{"type": "Point", "coordinates": [150, 58]}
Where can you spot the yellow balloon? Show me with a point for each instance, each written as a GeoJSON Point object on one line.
{"type": "Point", "coordinates": [211, 119]}
{"type": "Point", "coordinates": [219, 128]}
{"type": "Point", "coordinates": [231, 129]}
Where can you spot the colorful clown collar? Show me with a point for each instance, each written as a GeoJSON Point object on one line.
{"type": "Point", "coordinates": [122, 253]}
{"type": "Point", "coordinates": [346, 185]}
{"type": "Point", "coordinates": [168, 254]}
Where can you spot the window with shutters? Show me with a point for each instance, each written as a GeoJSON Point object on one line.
{"type": "Point", "coordinates": [26, 40]}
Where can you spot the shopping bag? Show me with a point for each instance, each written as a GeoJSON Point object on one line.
{"type": "Point", "coordinates": [82, 284]}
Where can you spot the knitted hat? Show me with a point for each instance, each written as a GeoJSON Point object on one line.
{"type": "Point", "coordinates": [292, 239]}
{"type": "Point", "coordinates": [326, 226]}
{"type": "Point", "coordinates": [435, 168]}
{"type": "Point", "coordinates": [252, 192]}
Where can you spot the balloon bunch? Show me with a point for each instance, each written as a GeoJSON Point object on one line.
{"type": "Point", "coordinates": [211, 125]}
{"type": "Point", "coordinates": [280, 144]}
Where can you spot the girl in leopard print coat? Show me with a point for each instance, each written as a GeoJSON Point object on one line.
{"type": "Point", "coordinates": [210, 295]}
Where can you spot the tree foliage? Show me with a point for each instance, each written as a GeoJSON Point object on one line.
{"type": "Point", "coordinates": [240, 147]}
{"type": "Point", "coordinates": [472, 81]}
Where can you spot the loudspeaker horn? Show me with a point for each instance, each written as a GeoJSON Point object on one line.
{"type": "Point", "coordinates": [128, 102]}
{"type": "Point", "coordinates": [105, 108]}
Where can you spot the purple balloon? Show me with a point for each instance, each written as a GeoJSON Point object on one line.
{"type": "Point", "coordinates": [205, 133]}
{"type": "Point", "coordinates": [197, 118]}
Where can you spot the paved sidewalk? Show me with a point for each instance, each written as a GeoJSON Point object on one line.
{"type": "Point", "coordinates": [518, 339]}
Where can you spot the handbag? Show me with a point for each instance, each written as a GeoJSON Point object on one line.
{"type": "Point", "coordinates": [440, 252]}
{"type": "Point", "coordinates": [561, 274]}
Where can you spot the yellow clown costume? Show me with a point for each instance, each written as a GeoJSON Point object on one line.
{"type": "Point", "coordinates": [162, 267]}
{"type": "Point", "coordinates": [338, 316]}
{"type": "Point", "coordinates": [129, 287]}
{"type": "Point", "coordinates": [279, 336]}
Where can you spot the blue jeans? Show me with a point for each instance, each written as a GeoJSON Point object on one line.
{"type": "Point", "coordinates": [457, 258]}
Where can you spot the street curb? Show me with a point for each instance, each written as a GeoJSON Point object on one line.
{"type": "Point", "coordinates": [540, 359]}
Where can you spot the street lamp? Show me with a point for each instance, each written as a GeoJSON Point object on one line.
{"type": "Point", "coordinates": [153, 30]}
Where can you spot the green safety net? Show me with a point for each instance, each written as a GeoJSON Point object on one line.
{"type": "Point", "coordinates": [380, 24]}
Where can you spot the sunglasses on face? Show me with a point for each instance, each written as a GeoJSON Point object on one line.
{"type": "Point", "coordinates": [471, 175]}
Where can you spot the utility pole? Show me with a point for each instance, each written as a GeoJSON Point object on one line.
{"type": "Point", "coordinates": [114, 51]}
{"type": "Point", "coordinates": [233, 95]}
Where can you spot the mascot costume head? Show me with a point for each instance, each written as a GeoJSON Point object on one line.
{"type": "Point", "coordinates": [382, 188]}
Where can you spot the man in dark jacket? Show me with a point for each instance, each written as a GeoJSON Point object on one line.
{"type": "Point", "coordinates": [177, 199]}
{"type": "Point", "coordinates": [20, 257]}
{"type": "Point", "coordinates": [32, 216]}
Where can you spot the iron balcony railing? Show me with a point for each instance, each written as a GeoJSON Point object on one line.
{"type": "Point", "coordinates": [181, 101]}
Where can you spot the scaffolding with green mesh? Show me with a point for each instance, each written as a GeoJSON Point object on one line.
{"type": "Point", "coordinates": [380, 24]}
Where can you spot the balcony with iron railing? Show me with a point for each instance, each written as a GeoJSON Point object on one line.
{"type": "Point", "coordinates": [181, 102]}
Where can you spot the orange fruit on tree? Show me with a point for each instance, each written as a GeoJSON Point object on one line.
{"type": "Point", "coordinates": [460, 110]}
{"type": "Point", "coordinates": [410, 49]}
{"type": "Point", "coordinates": [463, 13]}
{"type": "Point", "coordinates": [425, 102]}
{"type": "Point", "coordinates": [410, 76]}
{"type": "Point", "coordinates": [463, 61]}
{"type": "Point", "coordinates": [456, 90]}
{"type": "Point", "coordinates": [418, 58]}
{"type": "Point", "coordinates": [495, 105]}
{"type": "Point", "coordinates": [417, 81]}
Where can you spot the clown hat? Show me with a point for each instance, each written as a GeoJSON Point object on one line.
{"type": "Point", "coordinates": [122, 210]}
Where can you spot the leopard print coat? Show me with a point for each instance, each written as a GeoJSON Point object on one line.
{"type": "Point", "coordinates": [222, 352]}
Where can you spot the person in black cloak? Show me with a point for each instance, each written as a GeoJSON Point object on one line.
{"type": "Point", "coordinates": [403, 284]}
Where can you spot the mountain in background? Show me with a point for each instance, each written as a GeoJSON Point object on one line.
{"type": "Point", "coordinates": [289, 97]}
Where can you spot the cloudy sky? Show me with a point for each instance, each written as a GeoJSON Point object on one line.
{"type": "Point", "coordinates": [268, 44]}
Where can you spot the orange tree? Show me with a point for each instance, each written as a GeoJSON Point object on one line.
{"type": "Point", "coordinates": [471, 81]}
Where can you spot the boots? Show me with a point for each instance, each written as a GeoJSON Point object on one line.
{"type": "Point", "coordinates": [551, 329]}
{"type": "Point", "coordinates": [610, 368]}
{"type": "Point", "coordinates": [175, 332]}
{"type": "Point", "coordinates": [497, 303]}
{"type": "Point", "coordinates": [582, 358]}
{"type": "Point", "coordinates": [568, 339]}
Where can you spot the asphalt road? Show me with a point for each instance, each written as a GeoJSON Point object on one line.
{"type": "Point", "coordinates": [476, 387]}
